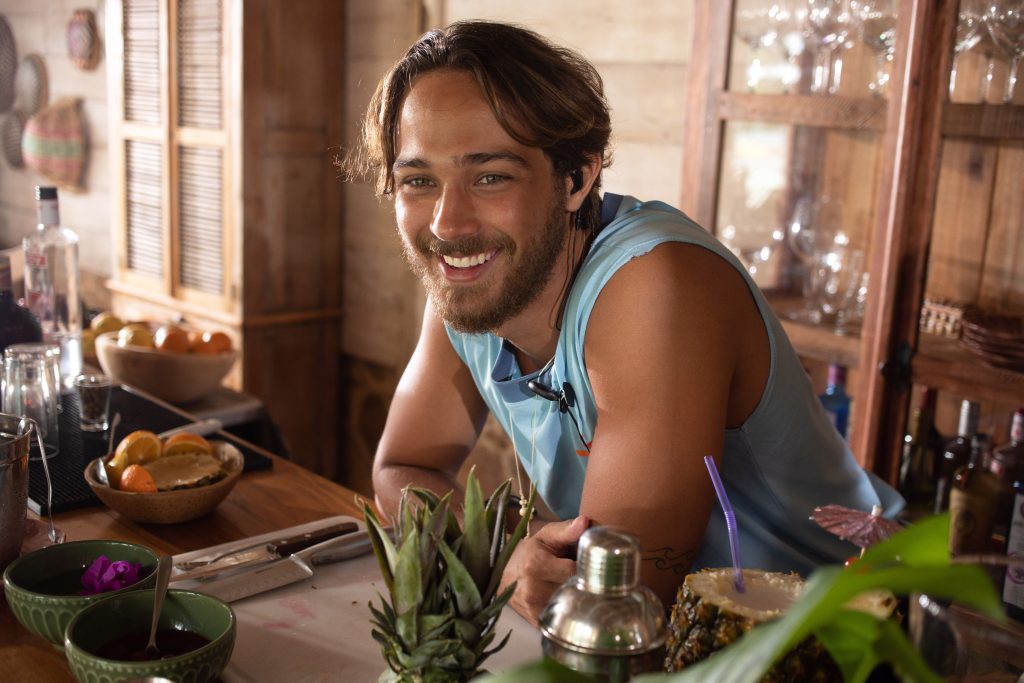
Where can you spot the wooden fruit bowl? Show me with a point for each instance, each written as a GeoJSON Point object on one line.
{"type": "Point", "coordinates": [171, 507]}
{"type": "Point", "coordinates": [174, 377]}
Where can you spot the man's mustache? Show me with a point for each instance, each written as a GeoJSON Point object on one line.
{"type": "Point", "coordinates": [430, 245]}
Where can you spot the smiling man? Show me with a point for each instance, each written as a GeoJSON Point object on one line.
{"type": "Point", "coordinates": [615, 341]}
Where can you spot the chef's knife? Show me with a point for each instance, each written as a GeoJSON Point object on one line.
{"type": "Point", "coordinates": [200, 428]}
{"type": "Point", "coordinates": [261, 553]}
{"type": "Point", "coordinates": [297, 567]}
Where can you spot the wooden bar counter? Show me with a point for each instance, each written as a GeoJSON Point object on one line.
{"type": "Point", "coordinates": [263, 501]}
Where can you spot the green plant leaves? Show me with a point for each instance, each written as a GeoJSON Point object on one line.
{"type": "Point", "coordinates": [436, 623]}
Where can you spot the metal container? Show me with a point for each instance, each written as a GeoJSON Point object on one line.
{"type": "Point", "coordinates": [15, 438]}
{"type": "Point", "coordinates": [602, 622]}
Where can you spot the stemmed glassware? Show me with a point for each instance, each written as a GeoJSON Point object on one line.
{"type": "Point", "coordinates": [973, 33]}
{"type": "Point", "coordinates": [828, 26]}
{"type": "Point", "coordinates": [878, 31]}
{"type": "Point", "coordinates": [1005, 22]}
{"type": "Point", "coordinates": [832, 268]}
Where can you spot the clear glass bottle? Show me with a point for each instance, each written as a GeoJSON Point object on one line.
{"type": "Point", "coordinates": [917, 476]}
{"type": "Point", "coordinates": [973, 498]}
{"type": "Point", "coordinates": [52, 284]}
{"type": "Point", "coordinates": [17, 324]}
{"type": "Point", "coordinates": [835, 399]}
{"type": "Point", "coordinates": [957, 453]}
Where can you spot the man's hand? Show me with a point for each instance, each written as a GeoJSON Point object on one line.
{"type": "Point", "coordinates": [542, 563]}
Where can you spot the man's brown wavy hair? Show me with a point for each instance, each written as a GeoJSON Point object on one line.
{"type": "Point", "coordinates": [543, 95]}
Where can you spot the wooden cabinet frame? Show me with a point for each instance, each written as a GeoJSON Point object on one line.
{"type": "Point", "coordinates": [912, 122]}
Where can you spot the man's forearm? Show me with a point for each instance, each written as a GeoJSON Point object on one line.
{"type": "Point", "coordinates": [389, 480]}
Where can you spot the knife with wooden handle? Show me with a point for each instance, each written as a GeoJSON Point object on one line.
{"type": "Point", "coordinates": [260, 553]}
{"type": "Point", "coordinates": [295, 567]}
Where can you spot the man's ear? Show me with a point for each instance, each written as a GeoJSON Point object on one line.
{"type": "Point", "coordinates": [580, 181]}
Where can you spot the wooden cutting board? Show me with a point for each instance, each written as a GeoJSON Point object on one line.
{"type": "Point", "coordinates": [319, 629]}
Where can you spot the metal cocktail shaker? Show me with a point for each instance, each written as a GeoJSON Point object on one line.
{"type": "Point", "coordinates": [15, 436]}
{"type": "Point", "coordinates": [602, 622]}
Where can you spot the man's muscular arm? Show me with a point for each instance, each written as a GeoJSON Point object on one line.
{"type": "Point", "coordinates": [664, 374]}
{"type": "Point", "coordinates": [434, 420]}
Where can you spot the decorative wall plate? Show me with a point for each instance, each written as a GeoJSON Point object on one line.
{"type": "Point", "coordinates": [12, 128]}
{"type": "Point", "coordinates": [83, 40]}
{"type": "Point", "coordinates": [8, 65]}
{"type": "Point", "coordinates": [30, 85]}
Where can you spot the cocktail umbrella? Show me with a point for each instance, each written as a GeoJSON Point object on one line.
{"type": "Point", "coordinates": [863, 529]}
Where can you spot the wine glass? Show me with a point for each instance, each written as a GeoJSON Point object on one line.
{"type": "Point", "coordinates": [813, 230]}
{"type": "Point", "coordinates": [878, 32]}
{"type": "Point", "coordinates": [828, 25]}
{"type": "Point", "coordinates": [970, 32]}
{"type": "Point", "coordinates": [754, 249]}
{"type": "Point", "coordinates": [1005, 22]}
{"type": "Point", "coordinates": [752, 26]}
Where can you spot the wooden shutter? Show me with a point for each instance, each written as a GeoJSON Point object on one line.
{"type": "Point", "coordinates": [141, 32]}
{"type": "Point", "coordinates": [144, 207]}
{"type": "Point", "coordinates": [200, 219]}
{"type": "Point", "coordinates": [199, 63]}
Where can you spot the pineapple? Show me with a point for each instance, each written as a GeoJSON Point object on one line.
{"type": "Point", "coordinates": [709, 614]}
{"type": "Point", "coordinates": [442, 583]}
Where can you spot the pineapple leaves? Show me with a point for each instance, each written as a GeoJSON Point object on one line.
{"type": "Point", "coordinates": [383, 548]}
{"type": "Point", "coordinates": [436, 625]}
{"type": "Point", "coordinates": [408, 590]}
{"type": "Point", "coordinates": [476, 546]}
{"type": "Point", "coordinates": [467, 596]}
{"type": "Point", "coordinates": [506, 552]}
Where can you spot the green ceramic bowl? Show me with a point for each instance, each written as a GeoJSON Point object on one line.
{"type": "Point", "coordinates": [112, 622]}
{"type": "Point", "coordinates": [42, 586]}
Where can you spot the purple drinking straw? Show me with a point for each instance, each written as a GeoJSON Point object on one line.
{"type": "Point", "coordinates": [730, 523]}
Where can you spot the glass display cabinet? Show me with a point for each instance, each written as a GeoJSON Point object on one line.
{"type": "Point", "coordinates": [863, 160]}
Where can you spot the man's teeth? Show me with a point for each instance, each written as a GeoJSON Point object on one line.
{"type": "Point", "coordinates": [467, 261]}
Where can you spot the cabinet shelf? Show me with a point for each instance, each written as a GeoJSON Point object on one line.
{"type": "Point", "coordinates": [996, 121]}
{"type": "Point", "coordinates": [821, 111]}
{"type": "Point", "coordinates": [814, 341]}
{"type": "Point", "coordinates": [944, 364]}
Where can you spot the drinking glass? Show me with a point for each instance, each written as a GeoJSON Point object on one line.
{"type": "Point", "coordinates": [878, 32]}
{"type": "Point", "coordinates": [962, 645]}
{"type": "Point", "coordinates": [813, 232]}
{"type": "Point", "coordinates": [30, 390]}
{"type": "Point", "coordinates": [93, 401]}
{"type": "Point", "coordinates": [974, 41]}
{"type": "Point", "coordinates": [1005, 22]}
{"type": "Point", "coordinates": [828, 26]}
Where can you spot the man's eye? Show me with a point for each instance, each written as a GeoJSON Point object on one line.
{"type": "Point", "coordinates": [414, 182]}
{"type": "Point", "coordinates": [492, 179]}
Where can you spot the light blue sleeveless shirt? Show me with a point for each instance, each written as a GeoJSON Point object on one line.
{"type": "Point", "coordinates": [782, 462]}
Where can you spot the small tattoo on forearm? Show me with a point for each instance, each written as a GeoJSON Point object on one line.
{"type": "Point", "coordinates": [668, 559]}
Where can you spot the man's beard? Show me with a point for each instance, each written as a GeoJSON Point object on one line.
{"type": "Point", "coordinates": [483, 307]}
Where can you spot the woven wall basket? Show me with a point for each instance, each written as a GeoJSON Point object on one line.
{"type": "Point", "coordinates": [54, 143]}
{"type": "Point", "coordinates": [11, 130]}
{"type": "Point", "coordinates": [83, 40]}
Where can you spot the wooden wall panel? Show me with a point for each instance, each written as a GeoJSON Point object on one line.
{"type": "Point", "coordinates": [295, 373]}
{"type": "Point", "coordinates": [1002, 278]}
{"type": "Point", "coordinates": [962, 204]}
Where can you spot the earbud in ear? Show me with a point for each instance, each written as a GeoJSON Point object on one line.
{"type": "Point", "coordinates": [576, 176]}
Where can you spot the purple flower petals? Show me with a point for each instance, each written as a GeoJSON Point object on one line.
{"type": "Point", "coordinates": [103, 575]}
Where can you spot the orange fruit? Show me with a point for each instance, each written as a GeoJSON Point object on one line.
{"type": "Point", "coordinates": [171, 338]}
{"type": "Point", "coordinates": [138, 447]}
{"type": "Point", "coordinates": [187, 443]}
{"type": "Point", "coordinates": [219, 340]}
{"type": "Point", "coordinates": [135, 478]}
{"type": "Point", "coordinates": [211, 343]}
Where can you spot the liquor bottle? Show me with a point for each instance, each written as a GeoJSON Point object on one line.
{"type": "Point", "coordinates": [1008, 460]}
{"type": "Point", "coordinates": [1007, 463]}
{"type": "Point", "coordinates": [1013, 583]}
{"type": "Point", "coordinates": [957, 453]}
{"type": "Point", "coordinates": [972, 501]}
{"type": "Point", "coordinates": [52, 283]}
{"type": "Point", "coordinates": [17, 324]}
{"type": "Point", "coordinates": [917, 463]}
{"type": "Point", "coordinates": [835, 399]}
